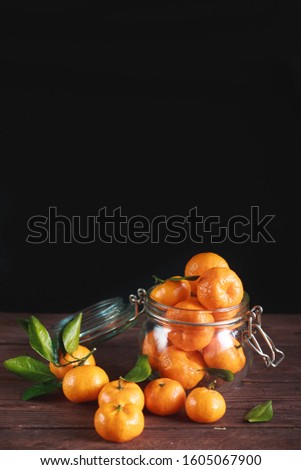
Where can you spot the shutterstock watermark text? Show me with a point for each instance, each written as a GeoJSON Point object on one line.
{"type": "Point", "coordinates": [114, 226]}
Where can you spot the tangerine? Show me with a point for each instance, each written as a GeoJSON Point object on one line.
{"type": "Point", "coordinates": [220, 287]}
{"type": "Point", "coordinates": [83, 383]}
{"type": "Point", "coordinates": [187, 367]}
{"type": "Point", "coordinates": [153, 344]}
{"type": "Point", "coordinates": [121, 390]}
{"type": "Point", "coordinates": [205, 406]}
{"type": "Point", "coordinates": [164, 396]}
{"type": "Point", "coordinates": [69, 361]}
{"type": "Point", "coordinates": [226, 313]}
{"type": "Point", "coordinates": [200, 263]}
{"type": "Point", "coordinates": [190, 337]}
{"type": "Point", "coordinates": [224, 352]}
{"type": "Point", "coordinates": [171, 292]}
{"type": "Point", "coordinates": [118, 422]}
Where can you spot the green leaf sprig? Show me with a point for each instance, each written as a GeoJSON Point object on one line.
{"type": "Point", "coordinates": [260, 413]}
{"type": "Point", "coordinates": [29, 368]}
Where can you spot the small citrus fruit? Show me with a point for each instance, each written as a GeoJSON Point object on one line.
{"type": "Point", "coordinates": [118, 390]}
{"type": "Point", "coordinates": [220, 288]}
{"type": "Point", "coordinates": [118, 422]}
{"type": "Point", "coordinates": [226, 313]}
{"type": "Point", "coordinates": [79, 353]}
{"type": "Point", "coordinates": [200, 263]}
{"type": "Point", "coordinates": [190, 337]}
{"type": "Point", "coordinates": [192, 303]}
{"type": "Point", "coordinates": [205, 406]}
{"type": "Point", "coordinates": [164, 396]}
{"type": "Point", "coordinates": [83, 383]}
{"type": "Point", "coordinates": [171, 292]}
{"type": "Point", "coordinates": [153, 344]}
{"type": "Point", "coordinates": [224, 352]}
{"type": "Point", "coordinates": [187, 367]}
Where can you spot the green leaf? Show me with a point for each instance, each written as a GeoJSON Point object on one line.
{"type": "Point", "coordinates": [28, 368]}
{"type": "Point", "coordinates": [39, 338]}
{"type": "Point", "coordinates": [224, 374]}
{"type": "Point", "coordinates": [55, 349]}
{"type": "Point", "coordinates": [70, 335]}
{"type": "Point", "coordinates": [141, 371]}
{"type": "Point", "coordinates": [260, 413]}
{"type": "Point", "coordinates": [40, 389]}
{"type": "Point", "coordinates": [24, 323]}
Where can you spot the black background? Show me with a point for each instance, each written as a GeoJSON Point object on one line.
{"type": "Point", "coordinates": [156, 107]}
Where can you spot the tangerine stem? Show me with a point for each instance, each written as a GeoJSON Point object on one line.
{"type": "Point", "coordinates": [212, 385]}
{"type": "Point", "coordinates": [120, 387]}
{"type": "Point", "coordinates": [80, 361]}
{"type": "Point", "coordinates": [157, 279]}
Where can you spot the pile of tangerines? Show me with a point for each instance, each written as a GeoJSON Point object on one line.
{"type": "Point", "coordinates": [119, 416]}
{"type": "Point", "coordinates": [182, 349]}
{"type": "Point", "coordinates": [206, 294]}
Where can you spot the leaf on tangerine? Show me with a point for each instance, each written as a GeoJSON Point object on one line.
{"type": "Point", "coordinates": [28, 368]}
{"type": "Point", "coordinates": [71, 332]}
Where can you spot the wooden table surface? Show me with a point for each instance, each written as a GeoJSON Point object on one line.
{"type": "Point", "coordinates": [52, 422]}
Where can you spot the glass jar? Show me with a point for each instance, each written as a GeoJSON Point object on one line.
{"type": "Point", "coordinates": [216, 353]}
{"type": "Point", "coordinates": [196, 347]}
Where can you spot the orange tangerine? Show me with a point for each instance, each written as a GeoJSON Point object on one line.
{"type": "Point", "coordinates": [153, 344]}
{"type": "Point", "coordinates": [164, 396]}
{"type": "Point", "coordinates": [205, 406]}
{"type": "Point", "coordinates": [225, 314]}
{"type": "Point", "coordinates": [176, 313]}
{"type": "Point", "coordinates": [220, 287]}
{"type": "Point", "coordinates": [187, 367]}
{"type": "Point", "coordinates": [119, 422]}
{"type": "Point", "coordinates": [224, 352]}
{"type": "Point", "coordinates": [121, 390]}
{"type": "Point", "coordinates": [189, 337]}
{"type": "Point", "coordinates": [171, 292]}
{"type": "Point", "coordinates": [200, 263]}
{"type": "Point", "coordinates": [69, 361]}
{"type": "Point", "coordinates": [83, 383]}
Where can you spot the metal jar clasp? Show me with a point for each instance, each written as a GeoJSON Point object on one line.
{"type": "Point", "coordinates": [138, 301]}
{"type": "Point", "coordinates": [273, 356]}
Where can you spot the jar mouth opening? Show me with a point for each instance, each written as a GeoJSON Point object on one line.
{"type": "Point", "coordinates": [157, 310]}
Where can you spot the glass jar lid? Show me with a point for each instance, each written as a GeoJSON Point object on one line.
{"type": "Point", "coordinates": [102, 320]}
